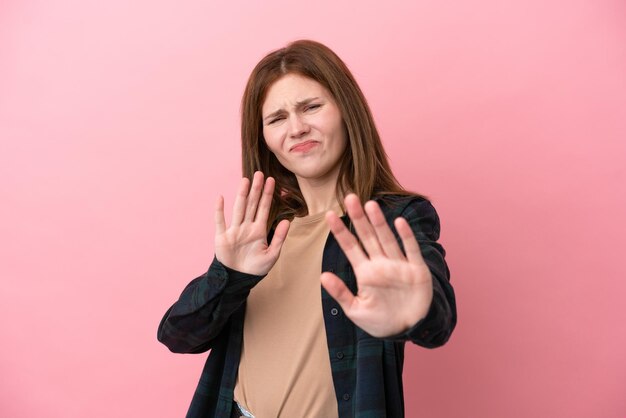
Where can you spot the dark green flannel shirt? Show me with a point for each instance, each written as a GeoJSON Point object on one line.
{"type": "Point", "coordinates": [366, 371]}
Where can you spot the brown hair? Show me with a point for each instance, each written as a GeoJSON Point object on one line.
{"type": "Point", "coordinates": [364, 166]}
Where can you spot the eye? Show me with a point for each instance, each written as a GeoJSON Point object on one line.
{"type": "Point", "coordinates": [276, 119]}
{"type": "Point", "coordinates": [313, 106]}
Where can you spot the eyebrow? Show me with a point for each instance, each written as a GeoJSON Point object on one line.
{"type": "Point", "coordinates": [300, 103]}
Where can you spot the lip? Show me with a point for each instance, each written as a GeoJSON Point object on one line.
{"type": "Point", "coordinates": [304, 146]}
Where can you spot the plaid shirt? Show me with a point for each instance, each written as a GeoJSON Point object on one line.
{"type": "Point", "coordinates": [366, 371]}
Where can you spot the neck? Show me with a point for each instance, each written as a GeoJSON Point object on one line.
{"type": "Point", "coordinates": [320, 195]}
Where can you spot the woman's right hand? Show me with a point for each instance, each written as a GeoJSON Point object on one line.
{"type": "Point", "coordinates": [242, 246]}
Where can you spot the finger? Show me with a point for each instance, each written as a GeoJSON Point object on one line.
{"type": "Point", "coordinates": [388, 241]}
{"type": "Point", "coordinates": [362, 225]}
{"type": "Point", "coordinates": [220, 222]}
{"type": "Point", "coordinates": [265, 203]}
{"type": "Point", "coordinates": [280, 233]}
{"type": "Point", "coordinates": [411, 246]}
{"type": "Point", "coordinates": [338, 290]}
{"type": "Point", "coordinates": [240, 201]}
{"type": "Point", "coordinates": [253, 197]}
{"type": "Point", "coordinates": [345, 239]}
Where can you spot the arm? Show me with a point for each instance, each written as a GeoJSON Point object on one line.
{"type": "Point", "coordinates": [242, 258]}
{"type": "Point", "coordinates": [402, 278]}
{"type": "Point", "coordinates": [436, 327]}
{"type": "Point", "coordinates": [203, 308]}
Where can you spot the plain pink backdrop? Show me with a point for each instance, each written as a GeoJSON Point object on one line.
{"type": "Point", "coordinates": [119, 127]}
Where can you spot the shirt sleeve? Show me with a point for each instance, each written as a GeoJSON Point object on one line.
{"type": "Point", "coordinates": [203, 308]}
{"type": "Point", "coordinates": [435, 328]}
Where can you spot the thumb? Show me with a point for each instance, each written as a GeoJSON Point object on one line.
{"type": "Point", "coordinates": [280, 233]}
{"type": "Point", "coordinates": [338, 290]}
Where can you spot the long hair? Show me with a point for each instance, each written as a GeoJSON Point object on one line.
{"type": "Point", "coordinates": [364, 169]}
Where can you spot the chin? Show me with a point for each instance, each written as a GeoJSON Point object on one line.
{"type": "Point", "coordinates": [311, 174]}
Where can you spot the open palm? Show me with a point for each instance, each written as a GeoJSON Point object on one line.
{"type": "Point", "coordinates": [242, 246]}
{"type": "Point", "coordinates": [394, 288]}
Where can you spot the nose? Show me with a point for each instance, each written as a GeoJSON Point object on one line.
{"type": "Point", "coordinates": [297, 126]}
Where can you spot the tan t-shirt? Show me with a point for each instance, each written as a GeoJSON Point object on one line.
{"type": "Point", "coordinates": [285, 368]}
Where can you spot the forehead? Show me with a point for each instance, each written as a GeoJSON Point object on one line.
{"type": "Point", "coordinates": [290, 89]}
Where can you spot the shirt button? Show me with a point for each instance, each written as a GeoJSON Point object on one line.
{"type": "Point", "coordinates": [340, 355]}
{"type": "Point", "coordinates": [346, 396]}
{"type": "Point", "coordinates": [334, 311]}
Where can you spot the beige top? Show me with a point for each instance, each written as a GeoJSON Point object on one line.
{"type": "Point", "coordinates": [285, 368]}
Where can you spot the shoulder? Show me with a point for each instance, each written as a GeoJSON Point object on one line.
{"type": "Point", "coordinates": [416, 209]}
{"type": "Point", "coordinates": [399, 204]}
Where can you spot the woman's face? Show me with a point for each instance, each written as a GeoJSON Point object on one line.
{"type": "Point", "coordinates": [303, 128]}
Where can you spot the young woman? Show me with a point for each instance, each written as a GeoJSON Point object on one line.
{"type": "Point", "coordinates": [328, 265]}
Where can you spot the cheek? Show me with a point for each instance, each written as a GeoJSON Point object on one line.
{"type": "Point", "coordinates": [270, 141]}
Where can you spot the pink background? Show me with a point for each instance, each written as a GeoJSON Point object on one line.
{"type": "Point", "coordinates": [119, 127]}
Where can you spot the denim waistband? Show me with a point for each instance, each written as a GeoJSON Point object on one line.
{"type": "Point", "coordinates": [240, 411]}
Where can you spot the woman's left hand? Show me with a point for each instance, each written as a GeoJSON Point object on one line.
{"type": "Point", "coordinates": [394, 290]}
